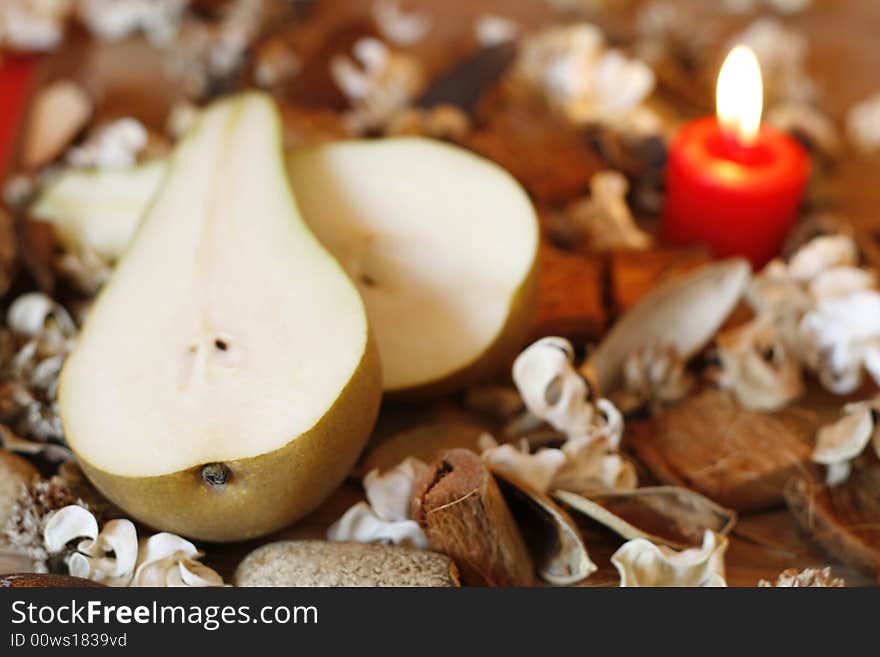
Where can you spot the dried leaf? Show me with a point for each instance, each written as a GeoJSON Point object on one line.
{"type": "Point", "coordinates": [667, 515]}
{"type": "Point", "coordinates": [684, 312]}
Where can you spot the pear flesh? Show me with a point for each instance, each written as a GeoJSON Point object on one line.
{"type": "Point", "coordinates": [441, 243]}
{"type": "Point", "coordinates": [225, 380]}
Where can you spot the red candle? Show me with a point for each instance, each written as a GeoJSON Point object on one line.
{"type": "Point", "coordinates": [731, 182]}
{"type": "Point", "coordinates": [16, 76]}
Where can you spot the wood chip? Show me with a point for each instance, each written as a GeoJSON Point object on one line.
{"type": "Point", "coordinates": [514, 133]}
{"type": "Point", "coordinates": [634, 274]}
{"type": "Point", "coordinates": [738, 458]}
{"type": "Point", "coordinates": [465, 84]}
{"type": "Point", "coordinates": [58, 114]}
{"type": "Point", "coordinates": [570, 301]}
{"type": "Point", "coordinates": [844, 520]}
{"type": "Point", "coordinates": [463, 513]}
{"type": "Point", "coordinates": [8, 251]}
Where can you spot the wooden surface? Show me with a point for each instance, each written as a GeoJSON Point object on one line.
{"type": "Point", "coordinates": [845, 58]}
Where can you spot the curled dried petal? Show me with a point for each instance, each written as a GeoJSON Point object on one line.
{"type": "Point", "coordinates": [361, 525]}
{"type": "Point", "coordinates": [642, 563]}
{"type": "Point", "coordinates": [67, 524]}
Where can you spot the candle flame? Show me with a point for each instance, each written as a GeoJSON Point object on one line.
{"type": "Point", "coordinates": [739, 96]}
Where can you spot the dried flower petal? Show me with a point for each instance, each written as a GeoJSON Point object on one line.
{"type": "Point", "coordinates": [30, 25]}
{"type": "Point", "coordinates": [589, 84]}
{"type": "Point", "coordinates": [378, 83]}
{"type": "Point", "coordinates": [604, 219]}
{"type": "Point", "coordinates": [758, 367]}
{"type": "Point", "coordinates": [809, 577]}
{"type": "Point", "coordinates": [361, 525]}
{"type": "Point", "coordinates": [113, 20]}
{"type": "Point", "coordinates": [654, 375]}
{"type": "Point", "coordinates": [399, 27]}
{"type": "Point", "coordinates": [116, 144]}
{"type": "Point", "coordinates": [863, 124]}
{"type": "Point", "coordinates": [492, 30]}
{"type": "Point", "coordinates": [385, 516]}
{"type": "Point", "coordinates": [839, 443]}
{"type": "Point", "coordinates": [168, 560]}
{"type": "Point", "coordinates": [642, 563]}
{"type": "Point", "coordinates": [537, 470]}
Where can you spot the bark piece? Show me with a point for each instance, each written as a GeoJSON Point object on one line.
{"type": "Point", "coordinates": [551, 159]}
{"type": "Point", "coordinates": [844, 520]}
{"type": "Point", "coordinates": [552, 536]}
{"type": "Point", "coordinates": [36, 240]}
{"type": "Point", "coordinates": [8, 251]}
{"type": "Point", "coordinates": [464, 515]}
{"type": "Point", "coordinates": [570, 301]}
{"type": "Point", "coordinates": [634, 274]}
{"type": "Point", "coordinates": [738, 458]}
{"type": "Point", "coordinates": [468, 80]}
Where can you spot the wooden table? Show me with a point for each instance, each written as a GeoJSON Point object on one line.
{"type": "Point", "coordinates": [845, 58]}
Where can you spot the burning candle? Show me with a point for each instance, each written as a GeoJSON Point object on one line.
{"type": "Point", "coordinates": [732, 182]}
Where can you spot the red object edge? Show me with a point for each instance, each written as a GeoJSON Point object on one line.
{"type": "Point", "coordinates": [17, 74]}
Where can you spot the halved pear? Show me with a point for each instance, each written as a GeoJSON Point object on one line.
{"type": "Point", "coordinates": [442, 245]}
{"type": "Point", "coordinates": [225, 380]}
{"type": "Point", "coordinates": [99, 208]}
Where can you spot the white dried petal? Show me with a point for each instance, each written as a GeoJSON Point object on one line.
{"type": "Point", "coordinates": [360, 524]}
{"type": "Point", "coordinates": [758, 367]}
{"type": "Point", "coordinates": [788, 7]}
{"type": "Point", "coordinates": [821, 254]}
{"type": "Point", "coordinates": [605, 218]}
{"type": "Point", "coordinates": [782, 53]}
{"type": "Point", "coordinates": [572, 68]}
{"type": "Point", "coordinates": [642, 563]}
{"type": "Point", "coordinates": [28, 313]}
{"type": "Point", "coordinates": [841, 282]}
{"type": "Point", "coordinates": [537, 471]}
{"type": "Point", "coordinates": [116, 144]}
{"type": "Point", "coordinates": [593, 465]}
{"type": "Point", "coordinates": [839, 443]}
{"type": "Point", "coordinates": [551, 387]}
{"type": "Point", "coordinates": [33, 25]}
{"type": "Point", "coordinates": [92, 560]}
{"type": "Point", "coordinates": [803, 119]}
{"type": "Point", "coordinates": [67, 524]}
{"type": "Point", "coordinates": [863, 124]}
{"type": "Point", "coordinates": [169, 560]}
{"type": "Point", "coordinates": [809, 577]}
{"type": "Point", "coordinates": [400, 27]}
{"type": "Point", "coordinates": [112, 20]}
{"type": "Point", "coordinates": [839, 332]}
{"type": "Point", "coordinates": [390, 492]}
{"type": "Point", "coordinates": [492, 30]}
{"type": "Point", "coordinates": [654, 375]}
{"type": "Point", "coordinates": [378, 83]}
